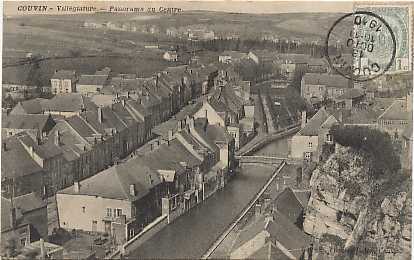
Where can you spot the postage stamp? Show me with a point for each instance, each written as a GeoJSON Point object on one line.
{"type": "Point", "coordinates": [369, 42]}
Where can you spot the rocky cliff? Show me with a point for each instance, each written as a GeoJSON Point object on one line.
{"type": "Point", "coordinates": [352, 215]}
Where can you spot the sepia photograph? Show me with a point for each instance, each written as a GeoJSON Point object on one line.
{"type": "Point", "coordinates": [277, 130]}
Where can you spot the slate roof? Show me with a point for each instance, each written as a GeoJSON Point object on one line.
{"type": "Point", "coordinates": [33, 106]}
{"type": "Point", "coordinates": [288, 204]}
{"type": "Point", "coordinates": [35, 121]}
{"type": "Point", "coordinates": [217, 133]}
{"type": "Point", "coordinates": [225, 99]}
{"type": "Point", "coordinates": [397, 111]}
{"type": "Point", "coordinates": [303, 197]}
{"type": "Point", "coordinates": [351, 94]}
{"type": "Point", "coordinates": [313, 125]}
{"type": "Point", "coordinates": [114, 182]}
{"type": "Point", "coordinates": [64, 74]}
{"type": "Point", "coordinates": [169, 156]}
{"type": "Point", "coordinates": [329, 80]}
{"type": "Point", "coordinates": [45, 151]}
{"type": "Point", "coordinates": [362, 116]}
{"type": "Point", "coordinates": [98, 80]}
{"type": "Point", "coordinates": [72, 102]}
{"type": "Point", "coordinates": [15, 161]}
{"type": "Point", "coordinates": [287, 234]}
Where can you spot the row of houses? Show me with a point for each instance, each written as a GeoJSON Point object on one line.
{"type": "Point", "coordinates": [69, 142]}
{"type": "Point", "coordinates": [175, 174]}
{"type": "Point", "coordinates": [388, 115]}
{"type": "Point", "coordinates": [288, 64]}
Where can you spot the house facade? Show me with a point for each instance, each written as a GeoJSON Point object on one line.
{"type": "Point", "coordinates": [63, 81]}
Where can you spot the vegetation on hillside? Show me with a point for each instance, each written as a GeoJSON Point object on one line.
{"type": "Point", "coordinates": [374, 142]}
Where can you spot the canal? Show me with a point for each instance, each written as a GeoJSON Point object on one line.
{"type": "Point", "coordinates": [192, 234]}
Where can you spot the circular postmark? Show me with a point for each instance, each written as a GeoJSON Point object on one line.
{"type": "Point", "coordinates": [360, 46]}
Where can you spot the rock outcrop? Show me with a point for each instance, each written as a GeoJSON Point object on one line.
{"type": "Point", "coordinates": [341, 209]}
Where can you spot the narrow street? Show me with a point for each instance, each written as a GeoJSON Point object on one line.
{"type": "Point", "coordinates": [193, 233]}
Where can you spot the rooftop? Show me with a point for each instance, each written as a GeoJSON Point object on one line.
{"type": "Point", "coordinates": [313, 125]}
{"type": "Point", "coordinates": [64, 74]}
{"type": "Point", "coordinates": [329, 80]}
{"type": "Point", "coordinates": [114, 182]}
{"type": "Point", "coordinates": [97, 80]}
{"type": "Point", "coordinates": [72, 102]}
{"type": "Point", "coordinates": [397, 111]}
{"type": "Point", "coordinates": [23, 121]}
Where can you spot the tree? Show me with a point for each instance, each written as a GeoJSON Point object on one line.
{"type": "Point", "coordinates": [373, 142]}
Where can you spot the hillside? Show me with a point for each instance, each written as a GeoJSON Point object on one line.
{"type": "Point", "coordinates": [343, 214]}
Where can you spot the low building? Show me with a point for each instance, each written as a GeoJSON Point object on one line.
{"type": "Point", "coordinates": [272, 237]}
{"type": "Point", "coordinates": [323, 86]}
{"type": "Point", "coordinates": [118, 201]}
{"type": "Point", "coordinates": [23, 221]}
{"type": "Point", "coordinates": [67, 105]}
{"type": "Point", "coordinates": [91, 84]}
{"type": "Point", "coordinates": [351, 98]}
{"type": "Point", "coordinates": [170, 56]}
{"type": "Point", "coordinates": [232, 57]}
{"type": "Point", "coordinates": [396, 118]}
{"type": "Point", "coordinates": [308, 142]}
{"type": "Point", "coordinates": [63, 81]}
{"type": "Point", "coordinates": [35, 125]}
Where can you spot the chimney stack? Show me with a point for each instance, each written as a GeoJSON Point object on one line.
{"type": "Point", "coordinates": [170, 135]}
{"type": "Point", "coordinates": [76, 186]}
{"type": "Point", "coordinates": [4, 146]}
{"type": "Point", "coordinates": [42, 249]}
{"type": "Point", "coordinates": [132, 190]}
{"type": "Point", "coordinates": [13, 220]}
{"type": "Point", "coordinates": [128, 95]}
{"type": "Point", "coordinates": [303, 122]}
{"type": "Point", "coordinates": [123, 102]}
{"type": "Point", "coordinates": [57, 138]}
{"type": "Point", "coordinates": [100, 115]}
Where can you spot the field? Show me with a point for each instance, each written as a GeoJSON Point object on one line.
{"type": "Point", "coordinates": [64, 35]}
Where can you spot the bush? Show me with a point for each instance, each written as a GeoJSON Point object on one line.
{"type": "Point", "coordinates": [373, 142]}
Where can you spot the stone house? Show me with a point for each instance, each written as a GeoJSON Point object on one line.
{"type": "Point", "coordinates": [63, 81]}
{"type": "Point", "coordinates": [119, 201]}
{"type": "Point", "coordinates": [316, 87]}
{"type": "Point", "coordinates": [308, 142]}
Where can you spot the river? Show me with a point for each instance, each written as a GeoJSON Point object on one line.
{"type": "Point", "coordinates": [192, 234]}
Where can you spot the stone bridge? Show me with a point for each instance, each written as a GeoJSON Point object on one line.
{"type": "Point", "coordinates": [261, 140]}
{"type": "Point", "coordinates": [260, 159]}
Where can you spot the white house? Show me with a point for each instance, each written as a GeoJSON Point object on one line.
{"type": "Point", "coordinates": [307, 143]}
{"type": "Point", "coordinates": [170, 56]}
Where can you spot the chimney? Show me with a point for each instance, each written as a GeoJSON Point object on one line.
{"type": "Point", "coordinates": [76, 186]}
{"type": "Point", "coordinates": [100, 115]}
{"type": "Point", "coordinates": [57, 138]}
{"type": "Point", "coordinates": [4, 147]}
{"type": "Point", "coordinates": [123, 102]}
{"type": "Point", "coordinates": [157, 80]}
{"type": "Point", "coordinates": [140, 101]}
{"type": "Point", "coordinates": [303, 122]}
{"type": "Point", "coordinates": [132, 190]}
{"type": "Point", "coordinates": [191, 123]}
{"type": "Point", "coordinates": [13, 220]}
{"type": "Point", "coordinates": [128, 95]}
{"type": "Point", "coordinates": [170, 135]}
{"type": "Point", "coordinates": [42, 249]}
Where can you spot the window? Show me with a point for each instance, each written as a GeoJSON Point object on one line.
{"type": "Point", "coordinates": [83, 209]}
{"type": "Point", "coordinates": [23, 241]}
{"type": "Point", "coordinates": [131, 233]}
{"type": "Point", "coordinates": [308, 155]}
{"type": "Point", "coordinates": [329, 138]}
{"type": "Point", "coordinates": [108, 212]}
{"type": "Point", "coordinates": [118, 212]}
{"type": "Point", "coordinates": [310, 144]}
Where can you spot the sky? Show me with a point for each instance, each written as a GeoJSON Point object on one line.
{"type": "Point", "coordinates": [11, 7]}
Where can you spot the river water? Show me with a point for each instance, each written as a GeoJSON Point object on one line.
{"type": "Point", "coordinates": [192, 234]}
